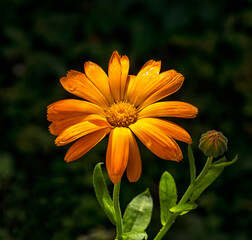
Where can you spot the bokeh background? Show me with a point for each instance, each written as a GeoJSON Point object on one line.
{"type": "Point", "coordinates": [209, 42]}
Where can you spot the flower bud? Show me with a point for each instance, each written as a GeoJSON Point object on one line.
{"type": "Point", "coordinates": [213, 143]}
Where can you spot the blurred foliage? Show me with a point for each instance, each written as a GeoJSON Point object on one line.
{"type": "Point", "coordinates": [209, 42]}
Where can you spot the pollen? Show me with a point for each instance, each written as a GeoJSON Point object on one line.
{"type": "Point", "coordinates": [121, 114]}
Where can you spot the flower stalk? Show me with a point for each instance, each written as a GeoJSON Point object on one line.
{"type": "Point", "coordinates": [118, 215]}
{"type": "Point", "coordinates": [204, 171]}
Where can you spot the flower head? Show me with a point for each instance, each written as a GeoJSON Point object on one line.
{"type": "Point", "coordinates": [213, 143]}
{"type": "Point", "coordinates": [124, 106]}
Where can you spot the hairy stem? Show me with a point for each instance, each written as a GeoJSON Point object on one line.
{"type": "Point", "coordinates": [119, 226]}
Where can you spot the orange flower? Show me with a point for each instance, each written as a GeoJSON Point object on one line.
{"type": "Point", "coordinates": [120, 104]}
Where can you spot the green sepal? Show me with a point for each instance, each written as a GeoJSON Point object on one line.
{"type": "Point", "coordinates": [135, 236]}
{"type": "Point", "coordinates": [167, 196]}
{"type": "Point", "coordinates": [208, 179]}
{"type": "Point", "coordinates": [138, 213]}
{"type": "Point", "coordinates": [182, 209]}
{"type": "Point", "coordinates": [102, 194]}
{"type": "Point", "coordinates": [192, 164]}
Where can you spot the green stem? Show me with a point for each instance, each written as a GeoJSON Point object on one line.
{"type": "Point", "coordinates": [205, 169]}
{"type": "Point", "coordinates": [119, 225]}
{"type": "Point", "coordinates": [166, 227]}
{"type": "Point", "coordinates": [183, 200]}
{"type": "Point", "coordinates": [187, 194]}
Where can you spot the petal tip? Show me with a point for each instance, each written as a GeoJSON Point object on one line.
{"type": "Point", "coordinates": [133, 180]}
{"type": "Point", "coordinates": [68, 159]}
{"type": "Point", "coordinates": [58, 142]}
{"type": "Point", "coordinates": [116, 55]}
{"type": "Point", "coordinates": [179, 157]}
{"type": "Point", "coordinates": [196, 111]}
{"type": "Point", "coordinates": [52, 130]}
{"type": "Point", "coordinates": [189, 141]}
{"type": "Point", "coordinates": [87, 65]}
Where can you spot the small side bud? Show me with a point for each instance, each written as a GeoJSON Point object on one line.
{"type": "Point", "coordinates": [213, 143]}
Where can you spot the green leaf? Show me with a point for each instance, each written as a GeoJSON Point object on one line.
{"type": "Point", "coordinates": [167, 196]}
{"type": "Point", "coordinates": [224, 164]}
{"type": "Point", "coordinates": [138, 213]}
{"type": "Point", "coordinates": [192, 164]}
{"type": "Point", "coordinates": [102, 193]}
{"type": "Point", "coordinates": [208, 179]}
{"type": "Point", "coordinates": [134, 236]}
{"type": "Point", "coordinates": [222, 160]}
{"type": "Point", "coordinates": [182, 209]}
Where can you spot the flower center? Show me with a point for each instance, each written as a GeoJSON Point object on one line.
{"type": "Point", "coordinates": [121, 114]}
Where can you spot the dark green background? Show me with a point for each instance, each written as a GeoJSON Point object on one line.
{"type": "Point", "coordinates": [209, 42]}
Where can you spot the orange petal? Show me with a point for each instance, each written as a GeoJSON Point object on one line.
{"type": "Point", "coordinates": [57, 127]}
{"type": "Point", "coordinates": [78, 84]}
{"type": "Point", "coordinates": [129, 85]}
{"type": "Point", "coordinates": [173, 81]}
{"type": "Point", "coordinates": [117, 153]}
{"type": "Point", "coordinates": [153, 85]}
{"type": "Point", "coordinates": [99, 78]}
{"type": "Point", "coordinates": [134, 167]}
{"type": "Point", "coordinates": [71, 107]}
{"type": "Point", "coordinates": [154, 139]}
{"type": "Point", "coordinates": [150, 70]}
{"type": "Point", "coordinates": [84, 144]}
{"type": "Point", "coordinates": [169, 129]}
{"type": "Point", "coordinates": [169, 109]}
{"type": "Point", "coordinates": [124, 77]}
{"type": "Point", "coordinates": [114, 73]}
{"type": "Point", "coordinates": [79, 130]}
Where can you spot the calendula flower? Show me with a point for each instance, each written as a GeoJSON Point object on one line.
{"type": "Point", "coordinates": [124, 106]}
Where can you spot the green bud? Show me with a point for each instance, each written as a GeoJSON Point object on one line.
{"type": "Point", "coordinates": [213, 143]}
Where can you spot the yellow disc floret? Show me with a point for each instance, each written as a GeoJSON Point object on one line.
{"type": "Point", "coordinates": [121, 114]}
